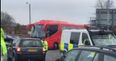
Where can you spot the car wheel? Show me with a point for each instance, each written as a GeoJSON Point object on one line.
{"type": "Point", "coordinates": [16, 58]}
{"type": "Point", "coordinates": [43, 59]}
{"type": "Point", "coordinates": [9, 59]}
{"type": "Point", "coordinates": [55, 45]}
{"type": "Point", "coordinates": [13, 59]}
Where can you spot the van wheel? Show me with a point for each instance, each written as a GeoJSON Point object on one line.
{"type": "Point", "coordinates": [55, 45]}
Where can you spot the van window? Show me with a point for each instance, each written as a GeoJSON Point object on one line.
{"type": "Point", "coordinates": [74, 37]}
{"type": "Point", "coordinates": [85, 39]}
{"type": "Point", "coordinates": [51, 30]}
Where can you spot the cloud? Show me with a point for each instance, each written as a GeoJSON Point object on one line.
{"type": "Point", "coordinates": [76, 11]}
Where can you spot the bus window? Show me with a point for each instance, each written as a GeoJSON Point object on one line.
{"type": "Point", "coordinates": [51, 30]}
{"type": "Point", "coordinates": [37, 31]}
{"type": "Point", "coordinates": [74, 37]}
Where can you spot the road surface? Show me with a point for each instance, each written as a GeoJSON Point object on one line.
{"type": "Point", "coordinates": [52, 55]}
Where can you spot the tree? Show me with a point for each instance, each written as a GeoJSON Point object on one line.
{"type": "Point", "coordinates": [11, 27]}
{"type": "Point", "coordinates": [7, 22]}
{"type": "Point", "coordinates": [17, 28]}
{"type": "Point", "coordinates": [104, 4]}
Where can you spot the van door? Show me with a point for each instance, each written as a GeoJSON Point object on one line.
{"type": "Point", "coordinates": [74, 39]}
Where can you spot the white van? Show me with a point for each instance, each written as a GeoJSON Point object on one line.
{"type": "Point", "coordinates": [79, 37]}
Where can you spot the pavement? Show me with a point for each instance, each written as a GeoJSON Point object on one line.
{"type": "Point", "coordinates": [3, 58]}
{"type": "Point", "coordinates": [52, 55]}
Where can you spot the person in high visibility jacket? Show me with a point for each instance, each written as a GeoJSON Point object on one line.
{"type": "Point", "coordinates": [70, 46]}
{"type": "Point", "coordinates": [3, 44]}
{"type": "Point", "coordinates": [45, 44]}
{"type": "Point", "coordinates": [66, 47]}
{"type": "Point", "coordinates": [61, 46]}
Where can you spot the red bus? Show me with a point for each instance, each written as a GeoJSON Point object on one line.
{"type": "Point", "coordinates": [51, 30]}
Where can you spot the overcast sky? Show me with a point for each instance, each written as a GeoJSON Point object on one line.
{"type": "Point", "coordinates": [75, 11]}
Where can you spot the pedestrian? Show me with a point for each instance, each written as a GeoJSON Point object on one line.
{"type": "Point", "coordinates": [45, 44]}
{"type": "Point", "coordinates": [3, 46]}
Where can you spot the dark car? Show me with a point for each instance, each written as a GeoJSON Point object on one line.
{"type": "Point", "coordinates": [90, 54]}
{"type": "Point", "coordinates": [8, 39]}
{"type": "Point", "coordinates": [24, 49]}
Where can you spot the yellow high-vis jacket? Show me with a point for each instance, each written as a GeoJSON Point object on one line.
{"type": "Point", "coordinates": [45, 44]}
{"type": "Point", "coordinates": [64, 46]}
{"type": "Point", "coordinates": [3, 44]}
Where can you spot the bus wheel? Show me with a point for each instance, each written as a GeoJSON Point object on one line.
{"type": "Point", "coordinates": [55, 45]}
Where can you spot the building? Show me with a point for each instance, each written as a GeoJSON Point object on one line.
{"type": "Point", "coordinates": [105, 18]}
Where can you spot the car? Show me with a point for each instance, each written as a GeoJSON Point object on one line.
{"type": "Point", "coordinates": [8, 39]}
{"type": "Point", "coordinates": [24, 49]}
{"type": "Point", "coordinates": [92, 53]}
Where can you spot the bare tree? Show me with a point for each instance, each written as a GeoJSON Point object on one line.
{"type": "Point", "coordinates": [104, 4]}
{"type": "Point", "coordinates": [7, 22]}
{"type": "Point", "coordinates": [11, 27]}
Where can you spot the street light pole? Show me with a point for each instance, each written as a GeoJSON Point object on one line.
{"type": "Point", "coordinates": [108, 13]}
{"type": "Point", "coordinates": [29, 12]}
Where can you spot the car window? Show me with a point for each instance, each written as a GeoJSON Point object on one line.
{"type": "Point", "coordinates": [96, 57]}
{"type": "Point", "coordinates": [30, 43]}
{"type": "Point", "coordinates": [109, 58]}
{"type": "Point", "coordinates": [86, 56]}
{"type": "Point", "coordinates": [103, 57]}
{"type": "Point", "coordinates": [15, 41]}
{"type": "Point", "coordinates": [72, 55]}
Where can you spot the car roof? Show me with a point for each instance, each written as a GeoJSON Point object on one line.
{"type": "Point", "coordinates": [102, 49]}
{"type": "Point", "coordinates": [28, 38]}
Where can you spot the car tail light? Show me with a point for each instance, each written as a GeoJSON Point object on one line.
{"type": "Point", "coordinates": [18, 49]}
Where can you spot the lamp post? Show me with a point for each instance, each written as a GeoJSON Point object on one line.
{"type": "Point", "coordinates": [108, 6]}
{"type": "Point", "coordinates": [29, 12]}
